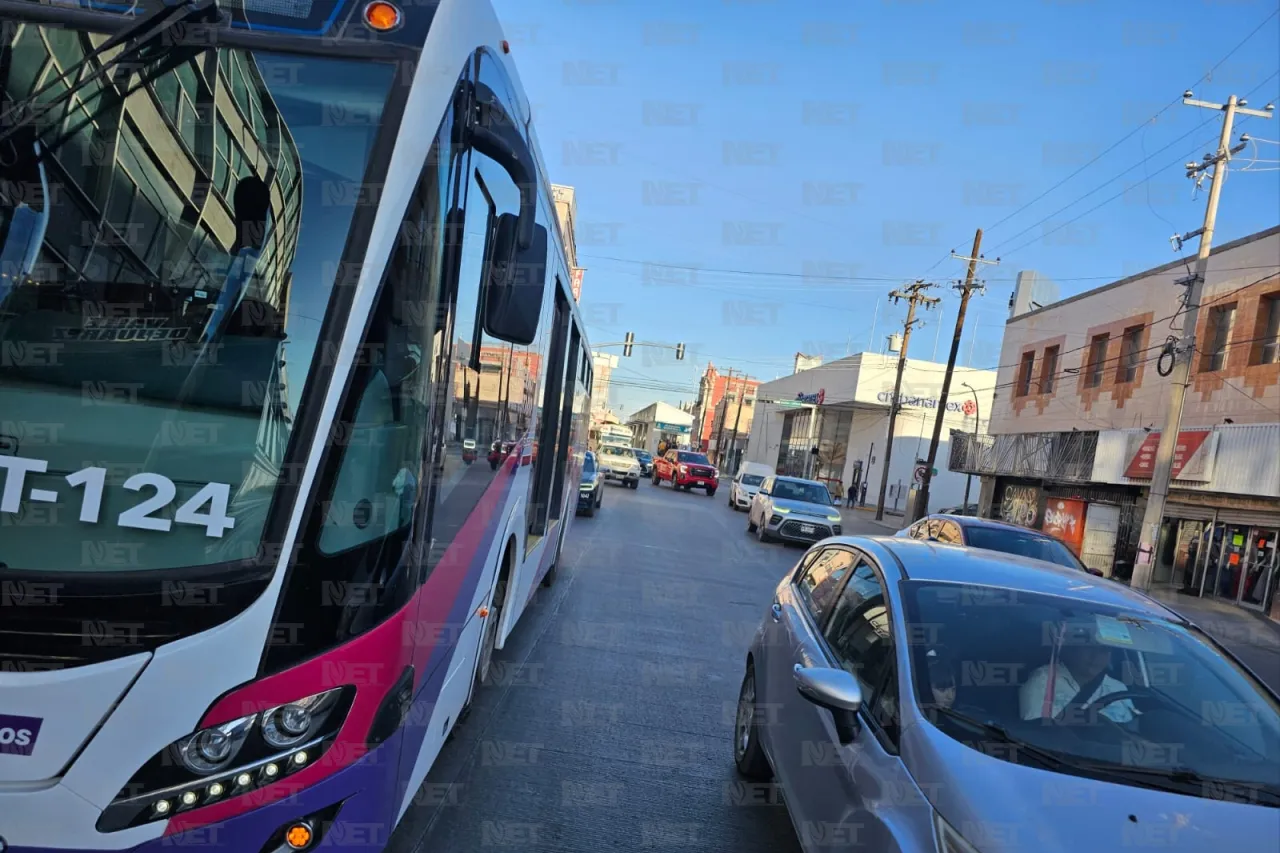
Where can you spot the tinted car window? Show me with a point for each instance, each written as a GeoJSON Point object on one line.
{"type": "Point", "coordinates": [813, 493]}
{"type": "Point", "coordinates": [692, 458]}
{"type": "Point", "coordinates": [752, 479]}
{"type": "Point", "coordinates": [859, 633]}
{"type": "Point", "coordinates": [821, 581]}
{"type": "Point", "coordinates": [1023, 543]}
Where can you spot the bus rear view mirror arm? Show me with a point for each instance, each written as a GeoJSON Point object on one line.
{"type": "Point", "coordinates": [491, 131]}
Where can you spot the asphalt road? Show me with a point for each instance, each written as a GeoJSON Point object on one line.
{"type": "Point", "coordinates": [611, 726]}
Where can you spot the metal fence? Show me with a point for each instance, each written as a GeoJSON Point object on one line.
{"type": "Point", "coordinates": [1059, 456]}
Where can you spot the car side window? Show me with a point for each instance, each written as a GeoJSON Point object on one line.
{"type": "Point", "coordinates": [918, 530]}
{"type": "Point", "coordinates": [949, 532]}
{"type": "Point", "coordinates": [859, 633]}
{"type": "Point", "coordinates": [820, 582]}
{"type": "Point", "coordinates": [766, 487]}
{"type": "Point", "coordinates": [884, 703]}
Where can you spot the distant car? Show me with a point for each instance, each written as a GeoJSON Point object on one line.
{"type": "Point", "coordinates": [619, 465]}
{"type": "Point", "coordinates": [469, 450]}
{"type": "Point", "coordinates": [995, 536]}
{"type": "Point", "coordinates": [746, 483]}
{"type": "Point", "coordinates": [498, 451]}
{"type": "Point", "coordinates": [966, 509]}
{"type": "Point", "coordinates": [793, 510]}
{"type": "Point", "coordinates": [646, 462]}
{"type": "Point", "coordinates": [685, 469]}
{"type": "Point", "coordinates": [591, 486]}
{"type": "Point", "coordinates": [898, 694]}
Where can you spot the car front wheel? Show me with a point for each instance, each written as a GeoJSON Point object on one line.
{"type": "Point", "coordinates": [748, 754]}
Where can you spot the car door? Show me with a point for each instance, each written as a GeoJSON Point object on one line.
{"type": "Point", "coordinates": [753, 508]}
{"type": "Point", "coordinates": [844, 788]}
{"type": "Point", "coordinates": [800, 611]}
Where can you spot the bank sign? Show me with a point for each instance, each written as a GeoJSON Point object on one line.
{"type": "Point", "coordinates": [813, 399]}
{"type": "Point", "coordinates": [967, 407]}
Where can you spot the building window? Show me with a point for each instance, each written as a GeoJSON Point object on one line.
{"type": "Point", "coordinates": [1024, 373]}
{"type": "Point", "coordinates": [1097, 360]}
{"type": "Point", "coordinates": [1221, 318]}
{"type": "Point", "coordinates": [1130, 354]}
{"type": "Point", "coordinates": [1268, 351]}
{"type": "Point", "coordinates": [1048, 369]}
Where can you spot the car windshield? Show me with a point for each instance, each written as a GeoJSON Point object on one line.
{"type": "Point", "coordinates": [752, 479]}
{"type": "Point", "coordinates": [1022, 543]}
{"type": "Point", "coordinates": [791, 490]}
{"type": "Point", "coordinates": [619, 451]}
{"type": "Point", "coordinates": [168, 259]}
{"type": "Point", "coordinates": [1169, 708]}
{"type": "Point", "coordinates": [692, 458]}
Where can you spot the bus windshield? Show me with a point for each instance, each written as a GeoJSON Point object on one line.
{"type": "Point", "coordinates": [168, 258]}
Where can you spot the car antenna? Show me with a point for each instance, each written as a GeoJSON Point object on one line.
{"type": "Point", "coordinates": [135, 39]}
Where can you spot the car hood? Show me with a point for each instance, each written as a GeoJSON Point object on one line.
{"type": "Point", "coordinates": [619, 462]}
{"type": "Point", "coordinates": [1001, 807]}
{"type": "Point", "coordinates": [805, 508]}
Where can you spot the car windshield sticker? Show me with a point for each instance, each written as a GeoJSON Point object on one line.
{"type": "Point", "coordinates": [1113, 631]}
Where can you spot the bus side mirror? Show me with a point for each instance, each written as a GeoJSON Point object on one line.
{"type": "Point", "coordinates": [517, 277]}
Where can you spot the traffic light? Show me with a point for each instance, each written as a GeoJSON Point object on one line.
{"type": "Point", "coordinates": [679, 352]}
{"type": "Point", "coordinates": [626, 347]}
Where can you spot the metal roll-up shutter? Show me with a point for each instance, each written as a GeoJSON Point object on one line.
{"type": "Point", "coordinates": [1254, 518]}
{"type": "Point", "coordinates": [1191, 513]}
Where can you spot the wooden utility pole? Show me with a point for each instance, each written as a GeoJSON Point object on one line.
{"type": "Point", "coordinates": [1215, 166]}
{"type": "Point", "coordinates": [742, 392]}
{"type": "Point", "coordinates": [966, 290]}
{"type": "Point", "coordinates": [914, 294]}
{"type": "Point", "coordinates": [720, 433]}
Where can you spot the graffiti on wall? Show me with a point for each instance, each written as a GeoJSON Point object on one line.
{"type": "Point", "coordinates": [1020, 504]}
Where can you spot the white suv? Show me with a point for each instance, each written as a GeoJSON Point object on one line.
{"type": "Point", "coordinates": [619, 464]}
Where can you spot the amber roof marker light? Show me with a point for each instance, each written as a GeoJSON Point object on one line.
{"type": "Point", "coordinates": [382, 17]}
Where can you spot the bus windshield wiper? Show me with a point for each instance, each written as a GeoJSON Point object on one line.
{"type": "Point", "coordinates": [139, 45]}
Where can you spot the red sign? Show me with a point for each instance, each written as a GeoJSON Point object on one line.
{"type": "Point", "coordinates": [969, 407]}
{"type": "Point", "coordinates": [575, 283]}
{"type": "Point", "coordinates": [1143, 463]}
{"type": "Point", "coordinates": [1064, 520]}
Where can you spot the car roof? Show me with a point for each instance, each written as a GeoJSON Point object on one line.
{"type": "Point", "coordinates": [974, 521]}
{"type": "Point", "coordinates": [799, 480]}
{"type": "Point", "coordinates": [924, 560]}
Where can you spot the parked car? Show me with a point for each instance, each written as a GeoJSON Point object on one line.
{"type": "Point", "coordinates": [960, 509]}
{"type": "Point", "coordinates": [469, 450]}
{"type": "Point", "coordinates": [499, 451]}
{"type": "Point", "coordinates": [909, 708]}
{"type": "Point", "coordinates": [619, 465]}
{"type": "Point", "coordinates": [646, 462]}
{"type": "Point", "coordinates": [746, 483]}
{"type": "Point", "coordinates": [685, 469]}
{"type": "Point", "coordinates": [793, 510]}
{"type": "Point", "coordinates": [591, 486]}
{"type": "Point", "coordinates": [995, 536]}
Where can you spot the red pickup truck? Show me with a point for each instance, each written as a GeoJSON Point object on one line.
{"type": "Point", "coordinates": [685, 469]}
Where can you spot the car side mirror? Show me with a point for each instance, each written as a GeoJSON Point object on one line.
{"type": "Point", "coordinates": [762, 491]}
{"type": "Point", "coordinates": [837, 691]}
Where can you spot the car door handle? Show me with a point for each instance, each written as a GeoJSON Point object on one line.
{"type": "Point", "coordinates": [776, 612]}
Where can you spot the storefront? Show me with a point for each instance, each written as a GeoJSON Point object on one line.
{"type": "Point", "coordinates": [1218, 549]}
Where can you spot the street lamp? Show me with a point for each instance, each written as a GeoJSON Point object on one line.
{"type": "Point", "coordinates": [977, 421]}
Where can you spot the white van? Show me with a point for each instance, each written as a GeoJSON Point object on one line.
{"type": "Point", "coordinates": [747, 483]}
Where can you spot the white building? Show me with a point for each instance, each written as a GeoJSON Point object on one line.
{"type": "Point", "coordinates": [851, 398]}
{"type": "Point", "coordinates": [658, 423]}
{"type": "Point", "coordinates": [603, 365]}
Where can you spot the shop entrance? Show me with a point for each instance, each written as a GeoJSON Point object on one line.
{"type": "Point", "coordinates": [1231, 562]}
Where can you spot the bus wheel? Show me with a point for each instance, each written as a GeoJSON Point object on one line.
{"type": "Point", "coordinates": [489, 637]}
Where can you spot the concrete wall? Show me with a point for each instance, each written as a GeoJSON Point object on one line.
{"type": "Point", "coordinates": [1242, 391]}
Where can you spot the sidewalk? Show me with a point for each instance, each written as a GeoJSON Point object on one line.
{"type": "Point", "coordinates": [862, 520]}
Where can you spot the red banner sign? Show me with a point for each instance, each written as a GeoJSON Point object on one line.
{"type": "Point", "coordinates": [1064, 520]}
{"type": "Point", "coordinates": [575, 283]}
{"type": "Point", "coordinates": [1143, 463]}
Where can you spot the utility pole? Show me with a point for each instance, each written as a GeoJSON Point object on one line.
{"type": "Point", "coordinates": [728, 383]}
{"type": "Point", "coordinates": [914, 294]}
{"type": "Point", "coordinates": [966, 290]}
{"type": "Point", "coordinates": [1215, 166]}
{"type": "Point", "coordinates": [742, 392]}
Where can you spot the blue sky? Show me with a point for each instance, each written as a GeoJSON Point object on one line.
{"type": "Point", "coordinates": [806, 157]}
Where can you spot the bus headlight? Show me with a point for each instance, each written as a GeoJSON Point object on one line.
{"type": "Point", "coordinates": [209, 750]}
{"type": "Point", "coordinates": [229, 759]}
{"type": "Point", "coordinates": [286, 725]}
